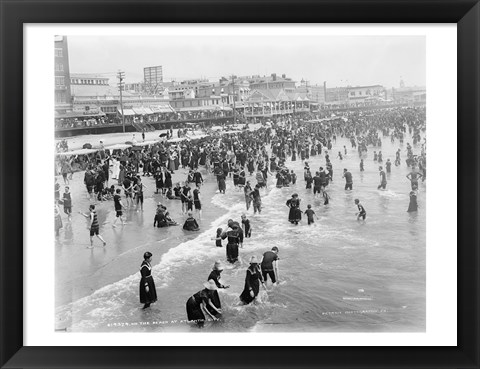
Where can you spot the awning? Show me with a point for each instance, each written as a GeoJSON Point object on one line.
{"type": "Point", "coordinates": [126, 111]}
{"type": "Point", "coordinates": [77, 152]}
{"type": "Point", "coordinates": [162, 108]}
{"type": "Point", "coordinates": [145, 143]}
{"type": "Point", "coordinates": [205, 108]}
{"type": "Point", "coordinates": [78, 114]}
{"type": "Point", "coordinates": [118, 147]}
{"type": "Point", "coordinates": [142, 110]}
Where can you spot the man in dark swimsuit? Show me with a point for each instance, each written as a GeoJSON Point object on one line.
{"type": "Point", "coordinates": [348, 179]}
{"type": "Point", "coordinates": [269, 265]}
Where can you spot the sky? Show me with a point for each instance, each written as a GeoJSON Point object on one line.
{"type": "Point", "coordinates": [338, 60]}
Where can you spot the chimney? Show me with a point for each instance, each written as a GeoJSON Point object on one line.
{"type": "Point", "coordinates": [274, 76]}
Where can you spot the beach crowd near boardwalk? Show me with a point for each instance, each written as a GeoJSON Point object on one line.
{"type": "Point", "coordinates": [246, 160]}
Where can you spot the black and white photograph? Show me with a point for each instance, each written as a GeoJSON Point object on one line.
{"type": "Point", "coordinates": [240, 184]}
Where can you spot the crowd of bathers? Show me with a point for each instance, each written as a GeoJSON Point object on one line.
{"type": "Point", "coordinates": [250, 156]}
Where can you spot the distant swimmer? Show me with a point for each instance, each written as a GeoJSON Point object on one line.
{"type": "Point", "coordinates": [348, 179]}
{"type": "Point", "coordinates": [361, 210]}
{"type": "Point", "coordinates": [310, 213]}
{"type": "Point", "coordinates": [383, 179]}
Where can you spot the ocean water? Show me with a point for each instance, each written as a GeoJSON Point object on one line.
{"type": "Point", "coordinates": [337, 275]}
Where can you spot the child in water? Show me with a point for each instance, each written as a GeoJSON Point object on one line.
{"type": "Point", "coordinates": [310, 213]}
{"type": "Point", "coordinates": [218, 238]}
{"type": "Point", "coordinates": [190, 203]}
{"type": "Point", "coordinates": [361, 211]}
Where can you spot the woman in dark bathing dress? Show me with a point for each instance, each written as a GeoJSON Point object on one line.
{"type": "Point", "coordinates": [235, 238]}
{"type": "Point", "coordinates": [215, 277]}
{"type": "Point", "coordinates": [295, 214]}
{"type": "Point", "coordinates": [148, 293]}
{"type": "Point", "coordinates": [252, 282]}
{"type": "Point", "coordinates": [197, 304]}
{"type": "Point", "coordinates": [413, 205]}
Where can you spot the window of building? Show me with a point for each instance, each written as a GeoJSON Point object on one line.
{"type": "Point", "coordinates": [59, 52]}
{"type": "Point", "coordinates": [58, 67]}
{"type": "Point", "coordinates": [60, 81]}
{"type": "Point", "coordinates": [352, 93]}
{"type": "Point", "coordinates": [359, 92]}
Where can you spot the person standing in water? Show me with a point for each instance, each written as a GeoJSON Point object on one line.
{"type": "Point", "coordinates": [148, 292]}
{"type": "Point", "coordinates": [246, 226]}
{"type": "Point", "coordinates": [388, 166]}
{"type": "Point", "coordinates": [361, 210]}
{"type": "Point", "coordinates": [310, 213]}
{"type": "Point", "coordinates": [235, 239]}
{"type": "Point", "coordinates": [257, 200]}
{"type": "Point", "coordinates": [269, 265]}
{"type": "Point", "coordinates": [248, 194]}
{"type": "Point", "coordinates": [295, 214]}
{"type": "Point", "coordinates": [413, 177]}
{"type": "Point", "coordinates": [383, 179]}
{"type": "Point", "coordinates": [348, 179]}
{"type": "Point", "coordinates": [413, 205]}
{"type": "Point", "coordinates": [197, 201]}
{"type": "Point", "coordinates": [253, 279]}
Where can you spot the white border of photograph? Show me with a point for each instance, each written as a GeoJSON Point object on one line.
{"type": "Point", "coordinates": [39, 309]}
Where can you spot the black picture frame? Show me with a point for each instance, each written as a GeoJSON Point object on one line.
{"type": "Point", "coordinates": [14, 14]}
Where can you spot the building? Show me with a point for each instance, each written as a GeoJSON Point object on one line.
{"type": "Point", "coordinates": [335, 95]}
{"type": "Point", "coordinates": [408, 94]}
{"type": "Point", "coordinates": [153, 79]}
{"type": "Point", "coordinates": [315, 93]}
{"type": "Point", "coordinates": [229, 90]}
{"type": "Point", "coordinates": [274, 102]}
{"type": "Point", "coordinates": [63, 99]}
{"type": "Point", "coordinates": [361, 94]}
{"type": "Point", "coordinates": [137, 87]}
{"type": "Point", "coordinates": [272, 82]}
{"type": "Point", "coordinates": [88, 79]}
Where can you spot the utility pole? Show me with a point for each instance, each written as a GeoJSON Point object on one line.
{"type": "Point", "coordinates": [121, 77]}
{"type": "Point", "coordinates": [233, 84]}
